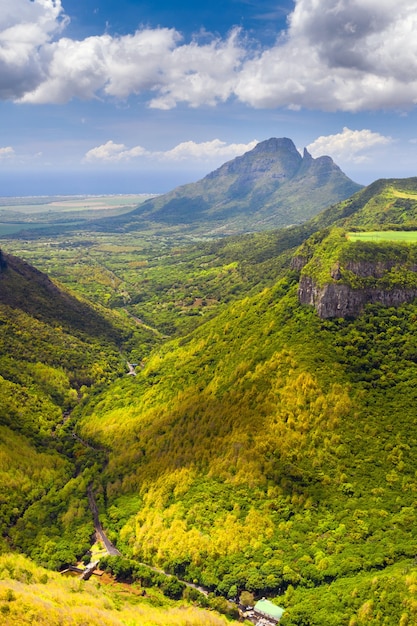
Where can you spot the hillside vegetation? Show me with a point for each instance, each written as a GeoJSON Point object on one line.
{"type": "Point", "coordinates": [54, 349]}
{"type": "Point", "coordinates": [270, 449]}
{"type": "Point", "coordinates": [32, 595]}
{"type": "Point", "coordinates": [259, 448]}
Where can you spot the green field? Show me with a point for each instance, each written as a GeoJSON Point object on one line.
{"type": "Point", "coordinates": [408, 236]}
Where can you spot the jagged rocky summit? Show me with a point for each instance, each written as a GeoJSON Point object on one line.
{"type": "Point", "coordinates": [270, 186]}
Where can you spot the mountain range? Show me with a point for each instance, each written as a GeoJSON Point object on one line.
{"type": "Point", "coordinates": [270, 186]}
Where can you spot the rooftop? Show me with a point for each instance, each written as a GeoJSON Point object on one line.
{"type": "Point", "coordinates": [269, 608]}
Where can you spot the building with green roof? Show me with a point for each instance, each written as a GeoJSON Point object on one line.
{"type": "Point", "coordinates": [268, 609]}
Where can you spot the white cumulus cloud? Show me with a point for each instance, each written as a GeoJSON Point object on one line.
{"type": "Point", "coordinates": [26, 29]}
{"type": "Point", "coordinates": [349, 145]}
{"type": "Point", "coordinates": [188, 150]}
{"type": "Point", "coordinates": [150, 60]}
{"type": "Point", "coordinates": [348, 55]}
{"type": "Point", "coordinates": [116, 66]}
{"type": "Point", "coordinates": [201, 74]}
{"type": "Point", "coordinates": [206, 150]}
{"type": "Point", "coordinates": [7, 153]}
{"type": "Point", "coordinates": [113, 152]}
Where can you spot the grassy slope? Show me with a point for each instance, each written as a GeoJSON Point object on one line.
{"type": "Point", "coordinates": [380, 204]}
{"type": "Point", "coordinates": [405, 236]}
{"type": "Point", "coordinates": [32, 595]}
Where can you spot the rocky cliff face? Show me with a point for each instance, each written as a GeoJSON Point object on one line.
{"type": "Point", "coordinates": [340, 300]}
{"type": "Point", "coordinates": [366, 269]}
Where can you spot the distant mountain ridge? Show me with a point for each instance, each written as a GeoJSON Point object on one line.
{"type": "Point", "coordinates": [271, 186]}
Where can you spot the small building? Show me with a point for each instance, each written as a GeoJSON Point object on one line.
{"type": "Point", "coordinates": [267, 613]}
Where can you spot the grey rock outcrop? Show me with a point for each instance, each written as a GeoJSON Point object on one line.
{"type": "Point", "coordinates": [340, 300]}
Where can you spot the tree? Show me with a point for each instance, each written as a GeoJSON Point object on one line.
{"type": "Point", "coordinates": [173, 588]}
{"type": "Point", "coordinates": [246, 598]}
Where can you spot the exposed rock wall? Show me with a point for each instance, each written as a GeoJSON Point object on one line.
{"type": "Point", "coordinates": [339, 300]}
{"type": "Point", "coordinates": [376, 270]}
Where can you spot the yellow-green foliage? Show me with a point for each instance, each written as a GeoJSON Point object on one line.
{"type": "Point", "coordinates": [26, 474]}
{"type": "Point", "coordinates": [263, 450]}
{"type": "Point", "coordinates": [387, 597]}
{"type": "Point", "coordinates": [393, 203]}
{"type": "Point", "coordinates": [231, 421]}
{"type": "Point", "coordinates": [32, 595]}
{"type": "Point", "coordinates": [293, 425]}
{"type": "Point", "coordinates": [46, 364]}
{"type": "Point", "coordinates": [215, 424]}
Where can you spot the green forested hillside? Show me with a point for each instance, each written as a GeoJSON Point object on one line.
{"type": "Point", "coordinates": [56, 350]}
{"type": "Point", "coordinates": [260, 448]}
{"type": "Point", "coordinates": [53, 350]}
{"type": "Point", "coordinates": [269, 450]}
{"type": "Point", "coordinates": [385, 203]}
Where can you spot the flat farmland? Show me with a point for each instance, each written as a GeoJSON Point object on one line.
{"type": "Point", "coordinates": [32, 212]}
{"type": "Point", "coordinates": [43, 204]}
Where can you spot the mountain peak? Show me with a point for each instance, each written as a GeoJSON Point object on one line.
{"type": "Point", "coordinates": [270, 186]}
{"type": "Point", "coordinates": [306, 155]}
{"type": "Point", "coordinates": [275, 145]}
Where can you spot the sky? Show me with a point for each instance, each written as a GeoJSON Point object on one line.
{"type": "Point", "coordinates": [135, 96]}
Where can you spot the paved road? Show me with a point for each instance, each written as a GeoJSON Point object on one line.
{"type": "Point", "coordinates": [111, 549]}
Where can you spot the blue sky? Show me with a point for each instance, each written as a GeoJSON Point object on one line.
{"type": "Point", "coordinates": [127, 96]}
